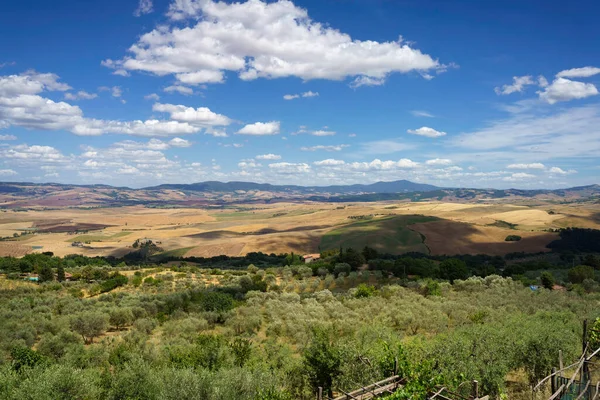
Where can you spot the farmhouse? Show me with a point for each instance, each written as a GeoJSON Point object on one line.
{"type": "Point", "coordinates": [308, 258]}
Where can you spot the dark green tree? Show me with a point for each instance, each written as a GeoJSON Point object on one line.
{"type": "Point", "coordinates": [547, 280]}
{"type": "Point", "coordinates": [45, 274]}
{"type": "Point", "coordinates": [60, 273]}
{"type": "Point", "coordinates": [369, 253]}
{"type": "Point", "coordinates": [322, 361]}
{"type": "Point", "coordinates": [580, 273]}
{"type": "Point", "coordinates": [452, 269]}
{"type": "Point", "coordinates": [591, 260]}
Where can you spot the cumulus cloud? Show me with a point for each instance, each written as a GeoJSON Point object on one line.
{"type": "Point", "coordinates": [560, 171]}
{"type": "Point", "coordinates": [564, 90]}
{"type": "Point", "coordinates": [290, 168]}
{"type": "Point", "coordinates": [81, 95]}
{"type": "Point", "coordinates": [339, 147]}
{"type": "Point", "coordinates": [152, 96]}
{"type": "Point", "coordinates": [21, 105]}
{"type": "Point", "coordinates": [269, 156]}
{"type": "Point", "coordinates": [179, 89]}
{"type": "Point", "coordinates": [329, 162]}
{"type": "Point", "coordinates": [322, 132]}
{"type": "Point", "coordinates": [115, 91]}
{"type": "Point", "coordinates": [257, 39]}
{"type": "Point", "coordinates": [518, 85]}
{"type": "Point", "coordinates": [377, 164]}
{"type": "Point", "coordinates": [296, 96]}
{"type": "Point", "coordinates": [202, 116]}
{"type": "Point", "coordinates": [7, 172]}
{"type": "Point", "coordinates": [527, 166]}
{"type": "Point", "coordinates": [144, 7]}
{"type": "Point", "coordinates": [8, 137]}
{"type": "Point", "coordinates": [584, 72]}
{"type": "Point", "coordinates": [179, 142]}
{"type": "Point", "coordinates": [260, 129]}
{"type": "Point", "coordinates": [519, 176]}
{"type": "Point", "coordinates": [366, 81]}
{"type": "Point", "coordinates": [439, 161]}
{"type": "Point", "coordinates": [426, 131]}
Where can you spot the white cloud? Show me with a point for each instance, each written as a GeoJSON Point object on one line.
{"type": "Point", "coordinates": [115, 91]}
{"type": "Point", "coordinates": [352, 135]}
{"type": "Point", "coordinates": [238, 145]}
{"type": "Point", "coordinates": [81, 95]}
{"type": "Point", "coordinates": [201, 116]}
{"type": "Point", "coordinates": [296, 96]}
{"type": "Point", "coordinates": [202, 76]}
{"type": "Point", "coordinates": [518, 85]}
{"type": "Point", "coordinates": [564, 90]}
{"type": "Point", "coordinates": [269, 156]}
{"type": "Point", "coordinates": [260, 128]}
{"type": "Point", "coordinates": [266, 40]}
{"type": "Point", "coordinates": [439, 161]}
{"type": "Point", "coordinates": [290, 168]}
{"type": "Point", "coordinates": [7, 172]}
{"type": "Point", "coordinates": [322, 133]}
{"type": "Point", "coordinates": [366, 81]}
{"type": "Point", "coordinates": [420, 113]}
{"type": "Point", "coordinates": [310, 94]}
{"type": "Point", "coordinates": [179, 142]}
{"type": "Point", "coordinates": [426, 131]}
{"type": "Point", "coordinates": [539, 134]}
{"type": "Point", "coordinates": [121, 72]}
{"type": "Point", "coordinates": [329, 162]}
{"type": "Point", "coordinates": [560, 171]}
{"type": "Point", "coordinates": [179, 89]}
{"type": "Point", "coordinates": [584, 72]}
{"type": "Point", "coordinates": [519, 176]}
{"type": "Point", "coordinates": [152, 96]}
{"type": "Point", "coordinates": [527, 166]}
{"type": "Point", "coordinates": [8, 137]}
{"type": "Point", "coordinates": [339, 147]}
{"type": "Point", "coordinates": [144, 7]}
{"type": "Point", "coordinates": [384, 165]}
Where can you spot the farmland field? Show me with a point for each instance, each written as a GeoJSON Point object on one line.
{"type": "Point", "coordinates": [305, 227]}
{"type": "Point", "coordinates": [389, 235]}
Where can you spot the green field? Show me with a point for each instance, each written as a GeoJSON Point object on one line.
{"type": "Point", "coordinates": [98, 238]}
{"type": "Point", "coordinates": [389, 235]}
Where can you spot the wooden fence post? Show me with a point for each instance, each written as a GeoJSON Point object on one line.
{"type": "Point", "coordinates": [395, 366]}
{"type": "Point", "coordinates": [475, 389]}
{"type": "Point", "coordinates": [553, 381]}
{"type": "Point", "coordinates": [320, 394]}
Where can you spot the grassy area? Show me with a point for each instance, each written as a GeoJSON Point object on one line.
{"type": "Point", "coordinates": [503, 224]}
{"type": "Point", "coordinates": [390, 235]}
{"type": "Point", "coordinates": [97, 238]}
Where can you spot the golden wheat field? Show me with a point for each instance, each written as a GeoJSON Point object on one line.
{"type": "Point", "coordinates": [285, 227]}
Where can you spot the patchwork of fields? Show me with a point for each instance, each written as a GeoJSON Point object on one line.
{"type": "Point", "coordinates": [394, 227]}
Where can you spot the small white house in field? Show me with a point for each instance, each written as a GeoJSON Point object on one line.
{"type": "Point", "coordinates": [308, 258]}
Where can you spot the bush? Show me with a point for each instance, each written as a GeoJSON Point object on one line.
{"type": "Point", "coordinates": [512, 238]}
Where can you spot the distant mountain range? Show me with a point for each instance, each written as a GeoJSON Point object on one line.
{"type": "Point", "coordinates": [401, 186]}
{"type": "Point", "coordinates": [25, 195]}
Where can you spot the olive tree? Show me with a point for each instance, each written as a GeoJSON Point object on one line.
{"type": "Point", "coordinates": [89, 325]}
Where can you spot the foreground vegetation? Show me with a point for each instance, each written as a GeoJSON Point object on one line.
{"type": "Point", "coordinates": [117, 331]}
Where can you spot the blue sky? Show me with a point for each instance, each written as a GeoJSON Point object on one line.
{"type": "Point", "coordinates": [462, 93]}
